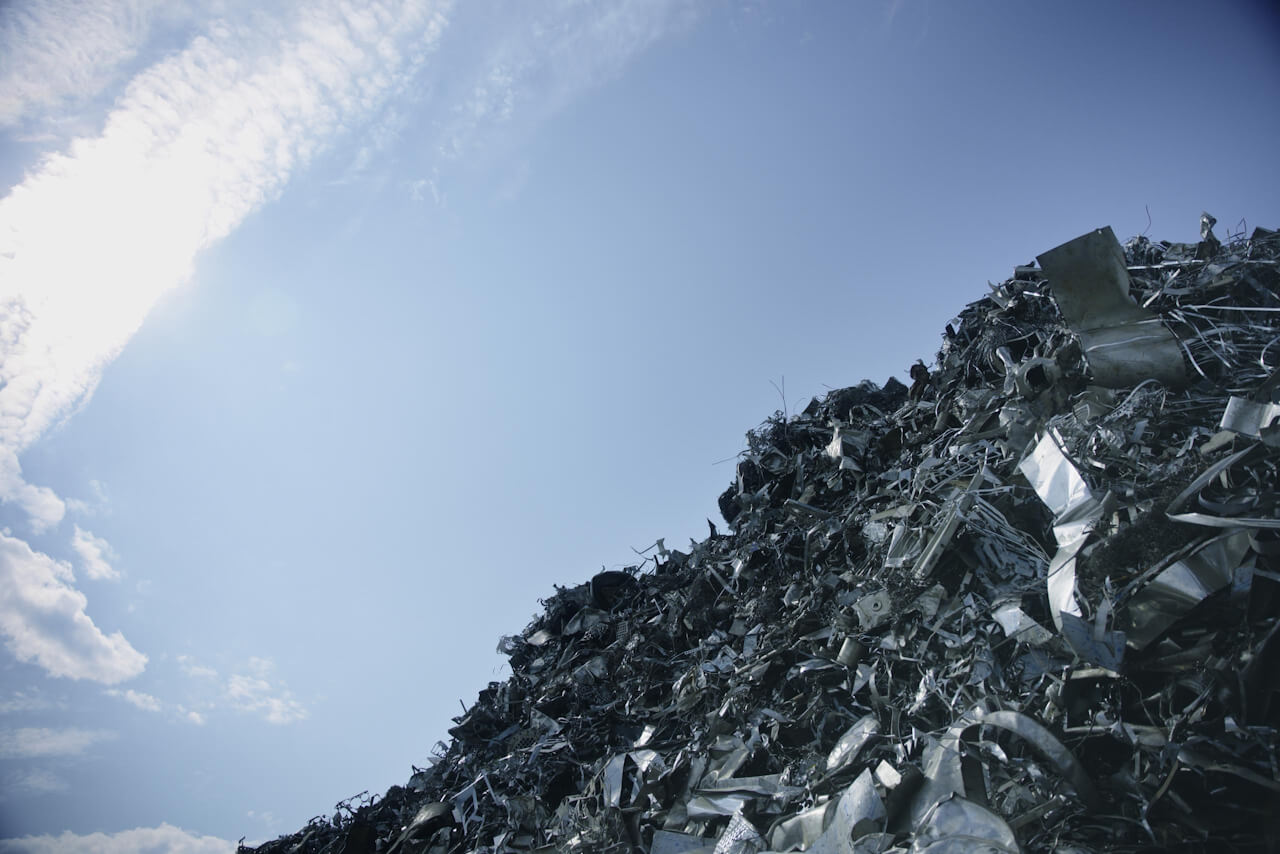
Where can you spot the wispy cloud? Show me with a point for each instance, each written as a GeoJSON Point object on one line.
{"type": "Point", "coordinates": [21, 701]}
{"type": "Point", "coordinates": [253, 692]}
{"type": "Point", "coordinates": [99, 503]}
{"type": "Point", "coordinates": [251, 688]}
{"type": "Point", "coordinates": [539, 57]}
{"type": "Point", "coordinates": [94, 554]}
{"type": "Point", "coordinates": [188, 666]}
{"type": "Point", "coordinates": [43, 620]}
{"type": "Point", "coordinates": [41, 742]}
{"type": "Point", "coordinates": [250, 694]}
{"type": "Point", "coordinates": [33, 781]}
{"type": "Point", "coordinates": [137, 699]}
{"type": "Point", "coordinates": [165, 839]}
{"type": "Point", "coordinates": [150, 703]}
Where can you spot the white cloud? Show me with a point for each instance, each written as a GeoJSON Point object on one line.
{"type": "Point", "coordinates": [43, 507]}
{"type": "Point", "coordinates": [21, 701]}
{"type": "Point", "coordinates": [250, 689]}
{"type": "Point", "coordinates": [165, 839]}
{"type": "Point", "coordinates": [43, 620]}
{"type": "Point", "coordinates": [99, 503]}
{"type": "Point", "coordinates": [146, 702]}
{"type": "Point", "coordinates": [188, 666]}
{"type": "Point", "coordinates": [94, 553]}
{"type": "Point", "coordinates": [542, 56]}
{"type": "Point", "coordinates": [37, 742]}
{"type": "Point", "coordinates": [59, 50]}
{"type": "Point", "coordinates": [33, 781]}
{"type": "Point", "coordinates": [78, 506]}
{"type": "Point", "coordinates": [257, 695]}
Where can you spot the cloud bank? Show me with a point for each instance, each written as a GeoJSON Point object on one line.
{"type": "Point", "coordinates": [165, 839]}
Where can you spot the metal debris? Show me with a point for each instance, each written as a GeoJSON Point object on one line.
{"type": "Point", "coordinates": [1031, 603]}
{"type": "Point", "coordinates": [1124, 343]}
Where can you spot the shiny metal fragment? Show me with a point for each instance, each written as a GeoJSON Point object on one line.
{"type": "Point", "coordinates": [1123, 343]}
{"type": "Point", "coordinates": [1060, 486]}
{"type": "Point", "coordinates": [949, 770]}
{"type": "Point", "coordinates": [858, 812]}
{"type": "Point", "coordinates": [956, 826]}
{"type": "Point", "coordinates": [1248, 417]}
{"type": "Point", "coordinates": [1183, 585]}
{"type": "Point", "coordinates": [851, 743]}
{"type": "Point", "coordinates": [801, 830]}
{"type": "Point", "coordinates": [1017, 624]}
{"type": "Point", "coordinates": [1225, 514]}
{"type": "Point", "coordinates": [873, 609]}
{"type": "Point", "coordinates": [740, 837]}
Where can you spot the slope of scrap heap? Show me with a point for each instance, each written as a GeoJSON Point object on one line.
{"type": "Point", "coordinates": [1028, 604]}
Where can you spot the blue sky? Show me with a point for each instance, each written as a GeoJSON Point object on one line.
{"type": "Point", "coordinates": [333, 335]}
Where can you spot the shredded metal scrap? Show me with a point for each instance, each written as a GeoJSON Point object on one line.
{"type": "Point", "coordinates": [1030, 604]}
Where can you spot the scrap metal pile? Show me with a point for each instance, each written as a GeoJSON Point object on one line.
{"type": "Point", "coordinates": [1030, 603]}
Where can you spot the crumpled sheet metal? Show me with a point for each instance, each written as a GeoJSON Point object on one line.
{"type": "Point", "coordinates": [859, 810]}
{"type": "Point", "coordinates": [1182, 586]}
{"type": "Point", "coordinates": [1016, 623]}
{"type": "Point", "coordinates": [1089, 278]}
{"type": "Point", "coordinates": [946, 529]}
{"type": "Point", "coordinates": [1060, 486]}
{"type": "Point", "coordinates": [1180, 508]}
{"type": "Point", "coordinates": [740, 837]}
{"type": "Point", "coordinates": [956, 826]}
{"type": "Point", "coordinates": [949, 771]}
{"type": "Point", "coordinates": [851, 743]}
{"type": "Point", "coordinates": [1092, 642]}
{"type": "Point", "coordinates": [1123, 343]}
{"type": "Point", "coordinates": [1248, 417]}
{"type": "Point", "coordinates": [800, 831]}
{"type": "Point", "coordinates": [1054, 478]}
{"type": "Point", "coordinates": [1122, 356]}
{"type": "Point", "coordinates": [873, 609]}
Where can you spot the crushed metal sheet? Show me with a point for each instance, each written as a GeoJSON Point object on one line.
{"type": "Point", "coordinates": [851, 743]}
{"type": "Point", "coordinates": [1183, 585]}
{"type": "Point", "coordinates": [1248, 417]}
{"type": "Point", "coordinates": [956, 826]}
{"type": "Point", "coordinates": [858, 812]}
{"type": "Point", "coordinates": [1123, 343]}
{"type": "Point", "coordinates": [740, 837]}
